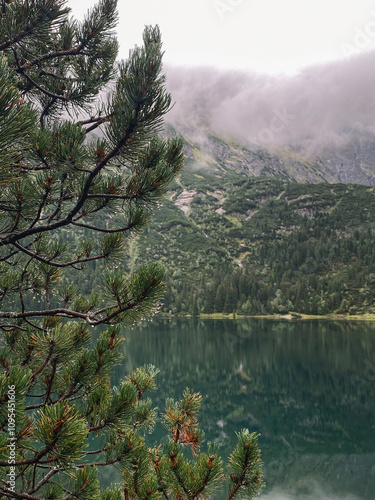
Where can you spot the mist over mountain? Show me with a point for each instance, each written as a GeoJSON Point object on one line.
{"type": "Point", "coordinates": [317, 126]}
{"type": "Point", "coordinates": [320, 106]}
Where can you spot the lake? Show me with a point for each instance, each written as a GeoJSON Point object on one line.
{"type": "Point", "coordinates": [308, 387]}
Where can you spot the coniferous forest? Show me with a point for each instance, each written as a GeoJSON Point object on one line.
{"type": "Point", "coordinates": [256, 246]}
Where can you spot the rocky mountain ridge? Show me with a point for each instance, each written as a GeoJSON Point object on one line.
{"type": "Point", "coordinates": [351, 160]}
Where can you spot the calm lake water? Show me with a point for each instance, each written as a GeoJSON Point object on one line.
{"type": "Point", "coordinates": [307, 387]}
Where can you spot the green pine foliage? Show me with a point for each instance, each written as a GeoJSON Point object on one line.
{"type": "Point", "coordinates": [68, 203]}
{"type": "Point", "coordinates": [246, 466]}
{"type": "Point", "coordinates": [15, 124]}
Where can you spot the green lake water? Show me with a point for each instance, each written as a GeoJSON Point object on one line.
{"type": "Point", "coordinates": [308, 387]}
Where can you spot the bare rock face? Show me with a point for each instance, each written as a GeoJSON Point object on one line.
{"type": "Point", "coordinates": [350, 160]}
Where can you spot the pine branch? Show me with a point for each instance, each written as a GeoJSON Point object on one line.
{"type": "Point", "coordinates": [102, 230]}
{"type": "Point", "coordinates": [29, 461]}
{"type": "Point", "coordinates": [18, 215]}
{"type": "Point", "coordinates": [41, 368]}
{"type": "Point", "coordinates": [34, 83]}
{"type": "Point", "coordinates": [12, 238]}
{"type": "Point", "coordinates": [133, 196]}
{"type": "Point", "coordinates": [95, 121]}
{"type": "Point", "coordinates": [68, 313]}
{"type": "Point", "coordinates": [33, 325]}
{"type": "Point", "coordinates": [182, 484]}
{"type": "Point", "coordinates": [64, 397]}
{"type": "Point", "coordinates": [50, 382]}
{"type": "Point", "coordinates": [96, 452]}
{"type": "Point", "coordinates": [43, 481]}
{"type": "Point", "coordinates": [99, 464]}
{"type": "Point", "coordinates": [14, 494]}
{"type": "Point", "coordinates": [24, 272]}
{"type": "Point", "coordinates": [204, 484]}
{"type": "Point", "coordinates": [74, 51]}
{"type": "Point", "coordinates": [3, 294]}
{"type": "Point", "coordinates": [10, 327]}
{"type": "Point", "coordinates": [58, 264]}
{"type": "Point", "coordinates": [164, 493]}
{"type": "Point", "coordinates": [12, 254]}
{"type": "Point", "coordinates": [40, 209]}
{"type": "Point", "coordinates": [95, 126]}
{"type": "Point", "coordinates": [60, 201]}
{"type": "Point", "coordinates": [46, 110]}
{"type": "Point", "coordinates": [235, 489]}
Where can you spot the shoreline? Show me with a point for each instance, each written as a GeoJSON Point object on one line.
{"type": "Point", "coordinates": [286, 317]}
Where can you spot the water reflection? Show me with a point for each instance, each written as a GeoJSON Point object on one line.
{"type": "Point", "coordinates": [307, 387]}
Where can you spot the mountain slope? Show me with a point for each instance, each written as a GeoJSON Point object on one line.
{"type": "Point", "coordinates": [254, 245]}
{"type": "Point", "coordinates": [351, 160]}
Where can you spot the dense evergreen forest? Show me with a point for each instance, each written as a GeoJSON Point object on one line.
{"type": "Point", "coordinates": [231, 243]}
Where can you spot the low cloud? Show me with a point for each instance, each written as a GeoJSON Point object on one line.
{"type": "Point", "coordinates": [320, 105]}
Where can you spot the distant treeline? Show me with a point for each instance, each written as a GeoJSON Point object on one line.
{"type": "Point", "coordinates": [311, 274]}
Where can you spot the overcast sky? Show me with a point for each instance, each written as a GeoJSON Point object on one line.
{"type": "Point", "coordinates": [267, 36]}
{"type": "Point", "coordinates": [307, 66]}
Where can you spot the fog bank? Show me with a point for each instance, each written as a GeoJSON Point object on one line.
{"type": "Point", "coordinates": [318, 106]}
